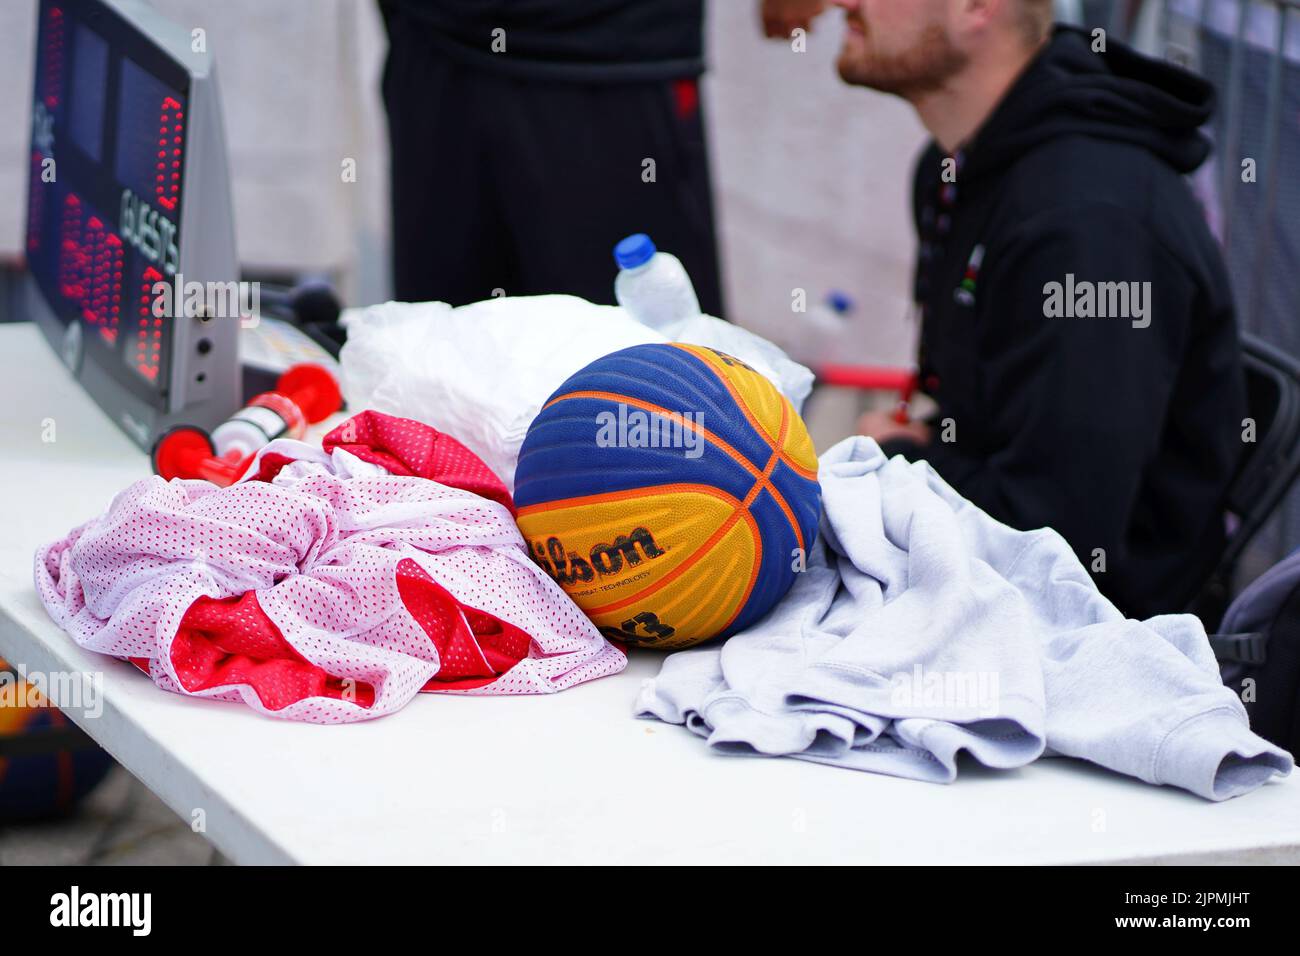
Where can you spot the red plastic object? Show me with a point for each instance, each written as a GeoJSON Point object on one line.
{"type": "Point", "coordinates": [187, 452]}
{"type": "Point", "coordinates": [305, 394]}
{"type": "Point", "coordinates": [313, 389]}
{"type": "Point", "coordinates": [870, 378]}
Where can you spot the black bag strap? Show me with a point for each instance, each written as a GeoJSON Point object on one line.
{"type": "Point", "coordinates": [1240, 648]}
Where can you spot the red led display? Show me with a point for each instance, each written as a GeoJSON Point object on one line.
{"type": "Point", "coordinates": [106, 284]}
{"type": "Point", "coordinates": [167, 183]}
{"type": "Point", "coordinates": [148, 342]}
{"type": "Point", "coordinates": [102, 236]}
{"type": "Point", "coordinates": [70, 251]}
{"type": "Point", "coordinates": [35, 207]}
{"type": "Point", "coordinates": [52, 66]}
{"type": "Point", "coordinates": [90, 268]}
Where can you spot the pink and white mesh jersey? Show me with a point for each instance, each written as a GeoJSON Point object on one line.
{"type": "Point", "coordinates": [329, 584]}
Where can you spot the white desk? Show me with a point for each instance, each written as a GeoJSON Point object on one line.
{"type": "Point", "coordinates": [567, 778]}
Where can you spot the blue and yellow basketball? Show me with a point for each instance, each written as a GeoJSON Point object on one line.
{"type": "Point", "coordinates": [46, 763]}
{"type": "Point", "coordinates": [672, 492]}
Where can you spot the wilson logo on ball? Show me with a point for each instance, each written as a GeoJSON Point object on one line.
{"type": "Point", "coordinates": [569, 567]}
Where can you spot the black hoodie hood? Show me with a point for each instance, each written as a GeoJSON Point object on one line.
{"type": "Point", "coordinates": [1118, 95]}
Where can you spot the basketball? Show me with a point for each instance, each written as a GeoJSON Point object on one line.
{"type": "Point", "coordinates": [671, 491]}
{"type": "Point", "coordinates": [47, 763]}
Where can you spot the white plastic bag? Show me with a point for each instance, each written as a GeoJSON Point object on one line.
{"type": "Point", "coordinates": [482, 372]}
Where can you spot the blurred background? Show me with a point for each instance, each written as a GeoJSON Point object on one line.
{"type": "Point", "coordinates": [811, 184]}
{"type": "Point", "coordinates": [810, 176]}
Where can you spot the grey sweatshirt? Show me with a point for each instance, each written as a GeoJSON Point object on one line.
{"type": "Point", "coordinates": [922, 628]}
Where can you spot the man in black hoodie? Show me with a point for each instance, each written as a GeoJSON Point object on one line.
{"type": "Point", "coordinates": [1077, 322]}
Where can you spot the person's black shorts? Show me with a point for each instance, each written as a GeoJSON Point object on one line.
{"type": "Point", "coordinates": [524, 186]}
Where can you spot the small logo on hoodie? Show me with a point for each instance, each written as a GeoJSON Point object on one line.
{"type": "Point", "coordinates": [964, 294]}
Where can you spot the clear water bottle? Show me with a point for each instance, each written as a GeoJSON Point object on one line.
{"type": "Point", "coordinates": [653, 286]}
{"type": "Point", "coordinates": [819, 334]}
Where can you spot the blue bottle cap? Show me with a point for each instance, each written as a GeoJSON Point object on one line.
{"type": "Point", "coordinates": [634, 251]}
{"type": "Point", "coordinates": [840, 302]}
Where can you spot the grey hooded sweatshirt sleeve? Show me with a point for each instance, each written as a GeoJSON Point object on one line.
{"type": "Point", "coordinates": [922, 628]}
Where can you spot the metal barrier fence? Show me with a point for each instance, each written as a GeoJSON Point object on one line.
{"type": "Point", "coordinates": [1250, 51]}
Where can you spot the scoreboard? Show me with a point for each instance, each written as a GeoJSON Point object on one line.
{"type": "Point", "coordinates": [128, 188]}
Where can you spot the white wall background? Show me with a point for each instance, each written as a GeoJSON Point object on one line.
{"type": "Point", "coordinates": [811, 176]}
{"type": "Point", "coordinates": [17, 38]}
{"type": "Point", "coordinates": [813, 183]}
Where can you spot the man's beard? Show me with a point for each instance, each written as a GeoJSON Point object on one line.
{"type": "Point", "coordinates": [925, 67]}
